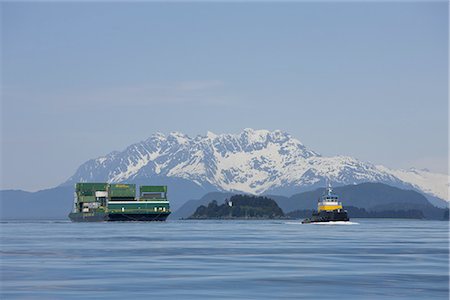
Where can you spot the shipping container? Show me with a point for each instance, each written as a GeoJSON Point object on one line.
{"type": "Point", "coordinates": [87, 199]}
{"type": "Point", "coordinates": [119, 190]}
{"type": "Point", "coordinates": [153, 189]}
{"type": "Point", "coordinates": [89, 188]}
{"type": "Point", "coordinates": [148, 192]}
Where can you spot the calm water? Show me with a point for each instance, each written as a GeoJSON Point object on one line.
{"type": "Point", "coordinates": [374, 259]}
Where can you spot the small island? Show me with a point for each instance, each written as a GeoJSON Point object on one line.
{"type": "Point", "coordinates": [240, 207]}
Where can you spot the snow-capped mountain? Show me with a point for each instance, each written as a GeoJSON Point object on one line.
{"type": "Point", "coordinates": [253, 161]}
{"type": "Point", "coordinates": [430, 183]}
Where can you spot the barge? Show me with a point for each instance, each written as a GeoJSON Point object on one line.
{"type": "Point", "coordinates": [101, 202]}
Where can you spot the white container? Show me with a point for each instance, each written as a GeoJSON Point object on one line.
{"type": "Point", "coordinates": [101, 194]}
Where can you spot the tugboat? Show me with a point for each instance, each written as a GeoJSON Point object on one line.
{"type": "Point", "coordinates": [329, 209]}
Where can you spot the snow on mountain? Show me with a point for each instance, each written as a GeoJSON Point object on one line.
{"type": "Point", "coordinates": [431, 183]}
{"type": "Point", "coordinates": [253, 161]}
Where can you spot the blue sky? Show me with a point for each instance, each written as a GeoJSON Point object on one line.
{"type": "Point", "coordinates": [79, 80]}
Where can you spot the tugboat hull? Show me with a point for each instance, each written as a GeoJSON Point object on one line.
{"type": "Point", "coordinates": [327, 216]}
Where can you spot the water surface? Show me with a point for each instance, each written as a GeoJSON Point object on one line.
{"type": "Point", "coordinates": [369, 259]}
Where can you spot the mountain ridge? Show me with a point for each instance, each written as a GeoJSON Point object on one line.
{"type": "Point", "coordinates": [252, 161]}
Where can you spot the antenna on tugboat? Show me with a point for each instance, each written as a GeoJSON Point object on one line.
{"type": "Point", "coordinates": [329, 189]}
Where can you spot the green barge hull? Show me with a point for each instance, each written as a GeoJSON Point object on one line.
{"type": "Point", "coordinates": [106, 217]}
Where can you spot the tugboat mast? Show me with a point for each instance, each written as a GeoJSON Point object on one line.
{"type": "Point", "coordinates": [329, 188]}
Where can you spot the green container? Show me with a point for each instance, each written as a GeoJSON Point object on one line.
{"type": "Point", "coordinates": [87, 199]}
{"type": "Point", "coordinates": [153, 192]}
{"type": "Point", "coordinates": [89, 188]}
{"type": "Point", "coordinates": [118, 190]}
{"type": "Point", "coordinates": [153, 189]}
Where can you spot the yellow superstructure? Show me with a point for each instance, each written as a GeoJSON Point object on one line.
{"type": "Point", "coordinates": [329, 207]}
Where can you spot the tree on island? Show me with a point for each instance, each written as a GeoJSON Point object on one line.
{"type": "Point", "coordinates": [240, 207]}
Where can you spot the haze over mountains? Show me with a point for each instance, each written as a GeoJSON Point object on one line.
{"type": "Point", "coordinates": [253, 161]}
